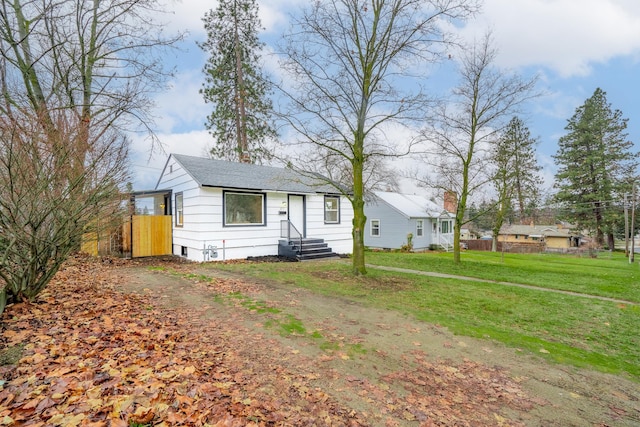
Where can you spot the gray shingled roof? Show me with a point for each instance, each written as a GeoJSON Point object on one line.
{"type": "Point", "coordinates": [220, 173]}
{"type": "Point", "coordinates": [411, 205]}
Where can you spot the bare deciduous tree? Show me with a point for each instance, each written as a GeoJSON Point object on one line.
{"type": "Point", "coordinates": [352, 69]}
{"type": "Point", "coordinates": [76, 75]}
{"type": "Point", "coordinates": [467, 126]}
{"type": "Point", "coordinates": [46, 208]}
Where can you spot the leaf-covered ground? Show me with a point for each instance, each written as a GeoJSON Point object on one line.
{"type": "Point", "coordinates": [105, 346]}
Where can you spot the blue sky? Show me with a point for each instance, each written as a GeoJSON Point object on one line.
{"type": "Point", "coordinates": [574, 46]}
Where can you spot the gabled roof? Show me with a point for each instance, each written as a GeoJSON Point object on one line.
{"type": "Point", "coordinates": [410, 205]}
{"type": "Point", "coordinates": [537, 230]}
{"type": "Point", "coordinates": [223, 174]}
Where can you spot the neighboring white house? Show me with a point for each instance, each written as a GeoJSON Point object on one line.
{"type": "Point", "coordinates": [224, 210]}
{"type": "Point", "coordinates": [392, 216]}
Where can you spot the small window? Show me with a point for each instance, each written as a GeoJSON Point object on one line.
{"type": "Point", "coordinates": [445, 227]}
{"type": "Point", "coordinates": [331, 210]}
{"type": "Point", "coordinates": [419, 227]}
{"type": "Point", "coordinates": [244, 209]}
{"type": "Point", "coordinates": [183, 251]}
{"type": "Point", "coordinates": [375, 227]}
{"type": "Point", "coordinates": [179, 211]}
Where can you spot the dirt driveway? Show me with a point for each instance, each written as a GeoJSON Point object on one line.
{"type": "Point", "coordinates": [387, 368]}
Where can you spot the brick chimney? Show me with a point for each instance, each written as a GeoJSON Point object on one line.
{"type": "Point", "coordinates": [450, 201]}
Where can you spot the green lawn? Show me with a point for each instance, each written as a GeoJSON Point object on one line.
{"type": "Point", "coordinates": [568, 329]}
{"type": "Point", "coordinates": [610, 276]}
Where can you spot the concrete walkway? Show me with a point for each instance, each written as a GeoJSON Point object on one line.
{"type": "Point", "coordinates": [517, 285]}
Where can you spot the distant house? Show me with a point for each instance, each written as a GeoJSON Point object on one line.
{"type": "Point", "coordinates": [466, 234]}
{"type": "Point", "coordinates": [392, 216]}
{"type": "Point", "coordinates": [554, 237]}
{"type": "Point", "coordinates": [224, 210]}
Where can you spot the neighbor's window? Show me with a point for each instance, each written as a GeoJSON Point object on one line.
{"type": "Point", "coordinates": [375, 227]}
{"type": "Point", "coordinates": [244, 208]}
{"type": "Point", "coordinates": [331, 210]}
{"type": "Point", "coordinates": [419, 227]}
{"type": "Point", "coordinates": [179, 210]}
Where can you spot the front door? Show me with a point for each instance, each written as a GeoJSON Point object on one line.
{"type": "Point", "coordinates": [296, 213]}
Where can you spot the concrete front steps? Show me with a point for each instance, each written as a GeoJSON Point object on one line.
{"type": "Point", "coordinates": [305, 249]}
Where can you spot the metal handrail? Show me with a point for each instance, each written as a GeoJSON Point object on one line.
{"type": "Point", "coordinates": [291, 232]}
{"type": "Point", "coordinates": [445, 240]}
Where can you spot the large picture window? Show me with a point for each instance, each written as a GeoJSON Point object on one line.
{"type": "Point", "coordinates": [331, 209]}
{"type": "Point", "coordinates": [244, 208]}
{"type": "Point", "coordinates": [179, 211]}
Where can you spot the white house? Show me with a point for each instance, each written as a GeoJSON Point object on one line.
{"type": "Point", "coordinates": [391, 217]}
{"type": "Point", "coordinates": [224, 210]}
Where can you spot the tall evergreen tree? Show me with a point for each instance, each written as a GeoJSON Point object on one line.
{"type": "Point", "coordinates": [515, 155]}
{"type": "Point", "coordinates": [240, 122]}
{"type": "Point", "coordinates": [596, 165]}
{"type": "Point", "coordinates": [517, 180]}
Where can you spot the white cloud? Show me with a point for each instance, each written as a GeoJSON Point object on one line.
{"type": "Point", "coordinates": [147, 166]}
{"type": "Point", "coordinates": [548, 172]}
{"type": "Point", "coordinates": [564, 35]}
{"type": "Point", "coordinates": [182, 106]}
{"type": "Point", "coordinates": [186, 15]}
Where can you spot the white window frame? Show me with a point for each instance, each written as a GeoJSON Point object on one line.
{"type": "Point", "coordinates": [376, 227]}
{"type": "Point", "coordinates": [263, 202]}
{"type": "Point", "coordinates": [330, 210]}
{"type": "Point", "coordinates": [419, 227]}
{"type": "Point", "coordinates": [179, 221]}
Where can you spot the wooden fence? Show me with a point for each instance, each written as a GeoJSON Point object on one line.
{"type": "Point", "coordinates": [139, 236]}
{"type": "Point", "coordinates": [147, 235]}
{"type": "Point", "coordinates": [521, 248]}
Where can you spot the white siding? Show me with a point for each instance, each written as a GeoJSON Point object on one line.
{"type": "Point", "coordinates": [203, 222]}
{"type": "Point", "coordinates": [337, 236]}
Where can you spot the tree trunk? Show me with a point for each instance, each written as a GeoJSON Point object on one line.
{"type": "Point", "coordinates": [359, 218]}
{"type": "Point", "coordinates": [3, 299]}
{"type": "Point", "coordinates": [359, 221]}
{"type": "Point", "coordinates": [458, 224]}
{"type": "Point", "coordinates": [599, 232]}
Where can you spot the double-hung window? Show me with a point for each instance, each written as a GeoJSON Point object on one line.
{"type": "Point", "coordinates": [419, 227]}
{"type": "Point", "coordinates": [331, 209]}
{"type": "Point", "coordinates": [244, 209]}
{"type": "Point", "coordinates": [179, 210]}
{"type": "Point", "coordinates": [375, 227]}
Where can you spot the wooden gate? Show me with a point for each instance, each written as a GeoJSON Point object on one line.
{"type": "Point", "coordinates": [147, 235]}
